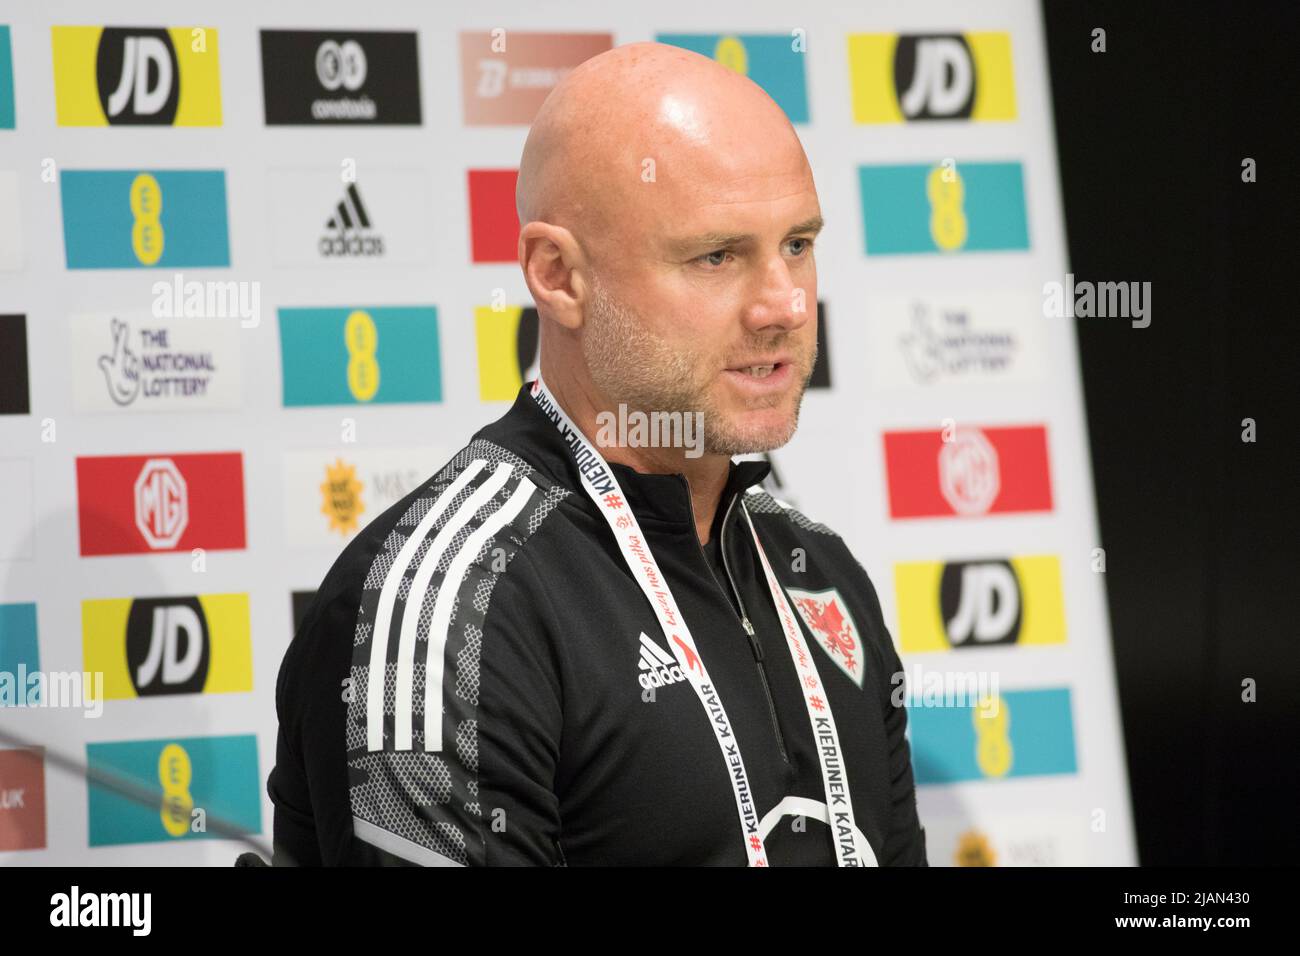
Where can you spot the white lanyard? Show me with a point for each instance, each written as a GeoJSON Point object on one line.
{"type": "Point", "coordinates": [605, 491]}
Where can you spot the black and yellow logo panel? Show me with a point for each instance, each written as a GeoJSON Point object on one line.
{"type": "Point", "coordinates": [898, 78]}
{"type": "Point", "coordinates": [961, 604]}
{"type": "Point", "coordinates": [136, 76]}
{"type": "Point", "coordinates": [507, 349]}
{"type": "Point", "coordinates": [148, 647]}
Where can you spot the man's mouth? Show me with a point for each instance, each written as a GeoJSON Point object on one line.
{"type": "Point", "coordinates": [763, 373]}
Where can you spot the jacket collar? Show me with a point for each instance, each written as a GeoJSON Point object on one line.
{"type": "Point", "coordinates": [526, 431]}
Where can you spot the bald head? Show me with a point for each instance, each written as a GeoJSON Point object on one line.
{"type": "Point", "coordinates": [667, 214]}
{"type": "Point", "coordinates": [631, 135]}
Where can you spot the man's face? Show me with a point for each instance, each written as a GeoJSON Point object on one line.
{"type": "Point", "coordinates": [711, 303]}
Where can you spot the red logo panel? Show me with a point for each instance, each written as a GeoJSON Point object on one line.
{"type": "Point", "coordinates": [493, 221]}
{"type": "Point", "coordinates": [22, 799]}
{"type": "Point", "coordinates": [139, 504]}
{"type": "Point", "coordinates": [980, 471]}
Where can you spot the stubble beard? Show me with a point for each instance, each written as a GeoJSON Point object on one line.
{"type": "Point", "coordinates": [629, 364]}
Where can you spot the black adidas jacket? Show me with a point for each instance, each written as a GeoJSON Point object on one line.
{"type": "Point", "coordinates": [561, 741]}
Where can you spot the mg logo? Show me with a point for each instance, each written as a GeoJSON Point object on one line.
{"type": "Point", "coordinates": [161, 503]}
{"type": "Point", "coordinates": [968, 472]}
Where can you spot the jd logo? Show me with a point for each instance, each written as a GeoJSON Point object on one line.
{"type": "Point", "coordinates": [137, 77]}
{"type": "Point", "coordinates": [934, 77]}
{"type": "Point", "coordinates": [980, 602]}
{"type": "Point", "coordinates": [167, 646]}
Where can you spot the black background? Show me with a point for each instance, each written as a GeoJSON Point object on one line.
{"type": "Point", "coordinates": [15, 398]}
{"type": "Point", "coordinates": [1200, 529]}
{"type": "Point", "coordinates": [290, 85]}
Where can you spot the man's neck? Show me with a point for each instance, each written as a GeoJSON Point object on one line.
{"type": "Point", "coordinates": [706, 474]}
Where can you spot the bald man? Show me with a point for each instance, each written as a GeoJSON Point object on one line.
{"type": "Point", "coordinates": [592, 638]}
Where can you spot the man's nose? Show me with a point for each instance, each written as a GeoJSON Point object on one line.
{"type": "Point", "coordinates": [777, 301]}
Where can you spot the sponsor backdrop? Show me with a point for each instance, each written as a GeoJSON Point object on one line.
{"type": "Point", "coordinates": [234, 332]}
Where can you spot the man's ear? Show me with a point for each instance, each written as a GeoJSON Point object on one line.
{"type": "Point", "coordinates": [554, 267]}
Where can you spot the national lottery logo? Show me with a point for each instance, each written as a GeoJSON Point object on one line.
{"type": "Point", "coordinates": [134, 362]}
{"type": "Point", "coordinates": [121, 367]}
{"type": "Point", "coordinates": [975, 338]}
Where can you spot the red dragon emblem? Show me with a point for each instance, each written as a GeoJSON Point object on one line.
{"type": "Point", "coordinates": [836, 631]}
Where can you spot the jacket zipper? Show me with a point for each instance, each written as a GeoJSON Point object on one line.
{"type": "Point", "coordinates": [743, 616]}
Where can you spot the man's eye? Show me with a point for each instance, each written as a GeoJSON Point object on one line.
{"type": "Point", "coordinates": [708, 257]}
{"type": "Point", "coordinates": [806, 247]}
